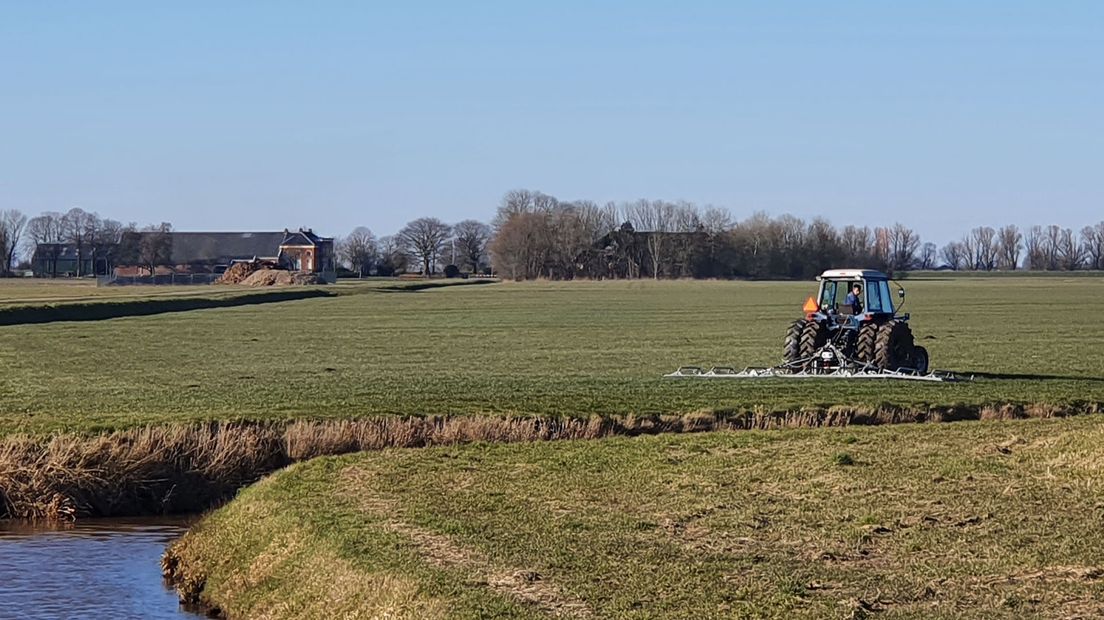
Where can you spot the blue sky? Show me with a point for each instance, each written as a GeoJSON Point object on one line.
{"type": "Point", "coordinates": [261, 115]}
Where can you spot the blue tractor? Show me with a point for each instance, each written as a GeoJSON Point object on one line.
{"type": "Point", "coordinates": [852, 323]}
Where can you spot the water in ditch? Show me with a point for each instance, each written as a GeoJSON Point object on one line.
{"type": "Point", "coordinates": [96, 568]}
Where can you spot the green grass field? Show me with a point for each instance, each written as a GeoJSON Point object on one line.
{"type": "Point", "coordinates": [539, 348]}
{"type": "Point", "coordinates": [969, 520]}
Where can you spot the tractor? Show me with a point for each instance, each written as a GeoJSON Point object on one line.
{"type": "Point", "coordinates": [850, 330]}
{"type": "Point", "coordinates": [852, 322]}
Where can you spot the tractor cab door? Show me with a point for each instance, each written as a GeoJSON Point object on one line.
{"type": "Point", "coordinates": [878, 299]}
{"type": "Point", "coordinates": [830, 299]}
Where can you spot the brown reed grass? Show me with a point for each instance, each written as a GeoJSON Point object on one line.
{"type": "Point", "coordinates": [187, 468]}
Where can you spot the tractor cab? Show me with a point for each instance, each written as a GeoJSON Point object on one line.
{"type": "Point", "coordinates": [874, 301]}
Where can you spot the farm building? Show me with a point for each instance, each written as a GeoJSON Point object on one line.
{"type": "Point", "coordinates": [64, 259]}
{"type": "Point", "coordinates": [159, 253]}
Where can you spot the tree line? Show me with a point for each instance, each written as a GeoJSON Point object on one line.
{"type": "Point", "coordinates": [536, 235]}
{"type": "Point", "coordinates": [424, 245]}
{"type": "Point", "coordinates": [100, 240]}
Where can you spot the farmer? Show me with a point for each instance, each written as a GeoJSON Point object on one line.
{"type": "Point", "coordinates": [854, 299]}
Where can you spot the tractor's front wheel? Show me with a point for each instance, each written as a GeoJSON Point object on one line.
{"type": "Point", "coordinates": [920, 360]}
{"type": "Point", "coordinates": [894, 346]}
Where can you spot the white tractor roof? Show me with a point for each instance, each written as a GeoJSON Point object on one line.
{"type": "Point", "coordinates": [853, 274]}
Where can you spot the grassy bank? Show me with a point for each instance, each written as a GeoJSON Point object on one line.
{"type": "Point", "coordinates": [983, 520]}
{"type": "Point", "coordinates": [572, 349]}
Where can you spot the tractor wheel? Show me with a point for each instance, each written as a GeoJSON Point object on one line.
{"type": "Point", "coordinates": [813, 337]}
{"type": "Point", "coordinates": [920, 360]}
{"type": "Point", "coordinates": [792, 351]}
{"type": "Point", "coordinates": [864, 344]}
{"type": "Point", "coordinates": [893, 347]}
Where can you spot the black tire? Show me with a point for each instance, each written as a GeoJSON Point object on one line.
{"type": "Point", "coordinates": [893, 348]}
{"type": "Point", "coordinates": [813, 337]}
{"type": "Point", "coordinates": [792, 346]}
{"type": "Point", "coordinates": [920, 360]}
{"type": "Point", "coordinates": [866, 341]}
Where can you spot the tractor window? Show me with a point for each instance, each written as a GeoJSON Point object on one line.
{"type": "Point", "coordinates": [887, 300]}
{"type": "Point", "coordinates": [873, 298]}
{"type": "Point", "coordinates": [828, 296]}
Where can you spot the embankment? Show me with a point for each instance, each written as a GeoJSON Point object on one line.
{"type": "Point", "coordinates": [110, 309]}
{"type": "Point", "coordinates": [987, 520]}
{"type": "Point", "coordinates": [187, 468]}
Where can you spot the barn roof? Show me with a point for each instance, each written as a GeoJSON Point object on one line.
{"type": "Point", "coordinates": [222, 247]}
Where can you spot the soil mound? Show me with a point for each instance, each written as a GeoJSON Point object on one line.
{"type": "Point", "coordinates": [278, 277]}
{"type": "Point", "coordinates": [239, 272]}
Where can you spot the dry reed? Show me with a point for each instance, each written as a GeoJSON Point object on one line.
{"type": "Point", "coordinates": [187, 468]}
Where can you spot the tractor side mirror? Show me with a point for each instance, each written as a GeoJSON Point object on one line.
{"type": "Point", "coordinates": [901, 293]}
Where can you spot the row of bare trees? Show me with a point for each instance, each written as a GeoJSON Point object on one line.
{"type": "Point", "coordinates": [426, 243]}
{"type": "Point", "coordinates": [94, 239]}
{"type": "Point", "coordinates": [1039, 248]}
{"type": "Point", "coordinates": [536, 235]}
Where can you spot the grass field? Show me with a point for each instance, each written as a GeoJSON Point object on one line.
{"type": "Point", "coordinates": [971, 520]}
{"type": "Point", "coordinates": [538, 348]}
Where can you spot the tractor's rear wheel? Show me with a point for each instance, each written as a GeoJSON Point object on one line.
{"type": "Point", "coordinates": [813, 337]}
{"type": "Point", "coordinates": [893, 348]}
{"type": "Point", "coordinates": [792, 347]}
{"type": "Point", "coordinates": [866, 341]}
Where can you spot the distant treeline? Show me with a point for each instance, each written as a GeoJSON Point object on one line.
{"type": "Point", "coordinates": [536, 235]}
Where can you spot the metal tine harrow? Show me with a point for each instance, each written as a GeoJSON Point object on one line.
{"type": "Point", "coordinates": [836, 366]}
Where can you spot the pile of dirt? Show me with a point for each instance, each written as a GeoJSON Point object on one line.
{"type": "Point", "coordinates": [278, 277]}
{"type": "Point", "coordinates": [239, 272]}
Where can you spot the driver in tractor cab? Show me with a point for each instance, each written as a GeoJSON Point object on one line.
{"type": "Point", "coordinates": [854, 299]}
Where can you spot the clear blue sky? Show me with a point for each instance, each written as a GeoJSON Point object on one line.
{"type": "Point", "coordinates": [261, 115]}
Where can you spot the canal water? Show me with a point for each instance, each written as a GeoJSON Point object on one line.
{"type": "Point", "coordinates": [94, 568]}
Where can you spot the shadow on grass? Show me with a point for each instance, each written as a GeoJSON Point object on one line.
{"type": "Point", "coordinates": [424, 286]}
{"type": "Point", "coordinates": [1026, 376]}
{"type": "Point", "coordinates": [101, 310]}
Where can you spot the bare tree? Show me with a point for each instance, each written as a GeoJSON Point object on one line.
{"type": "Point", "coordinates": [425, 237]}
{"type": "Point", "coordinates": [1092, 243]}
{"type": "Point", "coordinates": [1070, 253]}
{"type": "Point", "coordinates": [393, 257]}
{"type": "Point", "coordinates": [1035, 256]}
{"type": "Point", "coordinates": [985, 249]}
{"type": "Point", "coordinates": [903, 244]}
{"type": "Point", "coordinates": [857, 244]}
{"type": "Point", "coordinates": [1009, 244]}
{"type": "Point", "coordinates": [1052, 247]}
{"type": "Point", "coordinates": [654, 218]}
{"type": "Point", "coordinates": [715, 220]}
{"type": "Point", "coordinates": [78, 227]}
{"type": "Point", "coordinates": [359, 250]}
{"type": "Point", "coordinates": [520, 246]}
{"type": "Point", "coordinates": [926, 258]}
{"type": "Point", "coordinates": [12, 223]}
{"type": "Point", "coordinates": [543, 203]}
{"type": "Point", "coordinates": [969, 252]}
{"type": "Point", "coordinates": [471, 239]}
{"type": "Point", "coordinates": [514, 202]}
{"type": "Point", "coordinates": [155, 247]}
{"type": "Point", "coordinates": [954, 255]}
